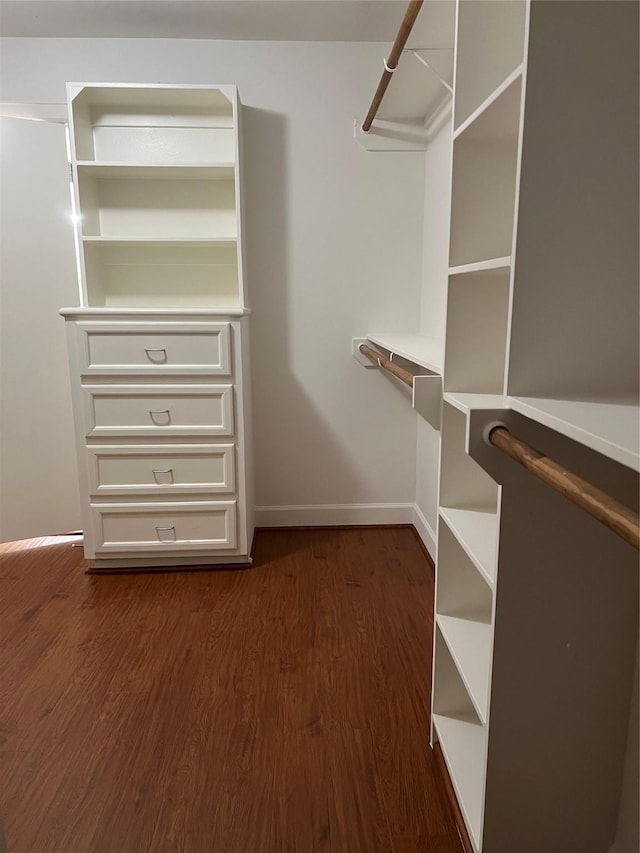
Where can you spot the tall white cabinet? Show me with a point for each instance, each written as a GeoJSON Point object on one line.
{"type": "Point", "coordinates": [536, 624]}
{"type": "Point", "coordinates": [158, 346]}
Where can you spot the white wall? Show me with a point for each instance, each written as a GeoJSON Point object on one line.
{"type": "Point", "coordinates": [433, 307]}
{"type": "Point", "coordinates": [38, 475]}
{"type": "Point", "coordinates": [334, 249]}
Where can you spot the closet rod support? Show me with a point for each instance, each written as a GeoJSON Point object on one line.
{"type": "Point", "coordinates": [598, 504]}
{"type": "Point", "coordinates": [392, 60]}
{"type": "Point", "coordinates": [387, 364]}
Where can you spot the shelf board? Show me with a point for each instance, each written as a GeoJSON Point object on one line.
{"type": "Point", "coordinates": [167, 242]}
{"type": "Point", "coordinates": [423, 351]}
{"type": "Point", "coordinates": [463, 742]}
{"type": "Point", "coordinates": [611, 428]}
{"type": "Point", "coordinates": [481, 266]}
{"type": "Point", "coordinates": [477, 533]}
{"type": "Point", "coordinates": [468, 402]}
{"type": "Point", "coordinates": [469, 641]}
{"type": "Point", "coordinates": [157, 171]}
{"type": "Point", "coordinates": [502, 117]}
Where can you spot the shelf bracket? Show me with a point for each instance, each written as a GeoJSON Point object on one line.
{"type": "Point", "coordinates": [424, 62]}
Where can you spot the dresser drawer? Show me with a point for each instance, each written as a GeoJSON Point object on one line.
{"type": "Point", "coordinates": [166, 527]}
{"type": "Point", "coordinates": [150, 348]}
{"type": "Point", "coordinates": [161, 469]}
{"type": "Point", "coordinates": [158, 410]}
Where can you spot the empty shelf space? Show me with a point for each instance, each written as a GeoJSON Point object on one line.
{"type": "Point", "coordinates": [463, 483]}
{"type": "Point", "coordinates": [168, 242]}
{"type": "Point", "coordinates": [609, 427]}
{"type": "Point", "coordinates": [498, 115]}
{"type": "Point", "coordinates": [462, 740]}
{"type": "Point", "coordinates": [423, 351]}
{"type": "Point", "coordinates": [485, 157]}
{"type": "Point", "coordinates": [491, 45]}
{"type": "Point", "coordinates": [152, 125]}
{"type": "Point", "coordinates": [469, 643]}
{"type": "Point", "coordinates": [156, 171]}
{"type": "Point", "coordinates": [477, 322]}
{"type": "Point", "coordinates": [145, 207]}
{"type": "Point", "coordinates": [157, 274]}
{"type": "Point", "coordinates": [477, 534]}
{"type": "Point", "coordinates": [462, 736]}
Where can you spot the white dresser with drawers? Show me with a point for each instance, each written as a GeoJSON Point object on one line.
{"type": "Point", "coordinates": [158, 348]}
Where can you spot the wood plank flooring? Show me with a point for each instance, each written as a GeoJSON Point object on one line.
{"type": "Point", "coordinates": [277, 709]}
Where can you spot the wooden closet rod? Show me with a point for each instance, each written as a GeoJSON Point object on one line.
{"type": "Point", "coordinates": [598, 504]}
{"type": "Point", "coordinates": [392, 62]}
{"type": "Point", "coordinates": [379, 359]}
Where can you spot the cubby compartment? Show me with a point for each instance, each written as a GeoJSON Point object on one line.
{"type": "Point", "coordinates": [491, 45]}
{"type": "Point", "coordinates": [158, 274]}
{"type": "Point", "coordinates": [153, 125]}
{"type": "Point", "coordinates": [158, 202]}
{"type": "Point", "coordinates": [462, 737]}
{"type": "Point", "coordinates": [477, 321]}
{"type": "Point", "coordinates": [463, 483]}
{"type": "Point", "coordinates": [485, 158]}
{"type": "Point", "coordinates": [464, 604]}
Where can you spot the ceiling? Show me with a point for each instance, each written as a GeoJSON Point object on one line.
{"type": "Point", "coordinates": [271, 20]}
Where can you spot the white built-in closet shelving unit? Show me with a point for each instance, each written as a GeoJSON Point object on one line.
{"type": "Point", "coordinates": [537, 604]}
{"type": "Point", "coordinates": [158, 346]}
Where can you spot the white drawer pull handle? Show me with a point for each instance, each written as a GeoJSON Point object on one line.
{"type": "Point", "coordinates": [157, 472]}
{"type": "Point", "coordinates": [156, 413]}
{"type": "Point", "coordinates": [160, 530]}
{"type": "Point", "coordinates": [161, 350]}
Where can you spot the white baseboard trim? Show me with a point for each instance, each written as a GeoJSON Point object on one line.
{"type": "Point", "coordinates": [334, 515]}
{"type": "Point", "coordinates": [425, 531]}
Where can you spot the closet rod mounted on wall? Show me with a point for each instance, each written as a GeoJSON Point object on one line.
{"type": "Point", "coordinates": [391, 63]}
{"type": "Point", "coordinates": [382, 361]}
{"type": "Point", "coordinates": [597, 503]}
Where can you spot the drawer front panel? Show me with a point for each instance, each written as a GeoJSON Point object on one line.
{"type": "Point", "coordinates": [134, 348]}
{"type": "Point", "coordinates": [194, 526]}
{"type": "Point", "coordinates": [128, 410]}
{"type": "Point", "coordinates": [166, 470]}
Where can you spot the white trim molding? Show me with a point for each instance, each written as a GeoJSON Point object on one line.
{"type": "Point", "coordinates": [330, 515]}
{"type": "Point", "coordinates": [425, 531]}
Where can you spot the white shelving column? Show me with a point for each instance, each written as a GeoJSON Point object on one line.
{"type": "Point", "coordinates": [488, 102]}
{"type": "Point", "coordinates": [536, 604]}
{"type": "Point", "coordinates": [159, 343]}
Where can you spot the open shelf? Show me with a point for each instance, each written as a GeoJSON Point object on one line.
{"type": "Point", "coordinates": [170, 242]}
{"type": "Point", "coordinates": [152, 124]}
{"type": "Point", "coordinates": [501, 107]}
{"type": "Point", "coordinates": [462, 737]}
{"type": "Point", "coordinates": [156, 171]}
{"type": "Point", "coordinates": [158, 208]}
{"type": "Point", "coordinates": [483, 197]}
{"type": "Point", "coordinates": [607, 426]}
{"type": "Point", "coordinates": [477, 320]}
{"type": "Point", "coordinates": [477, 533]}
{"type": "Point", "coordinates": [463, 483]}
{"type": "Point", "coordinates": [469, 643]}
{"type": "Point", "coordinates": [466, 403]}
{"type": "Point", "coordinates": [157, 274]}
{"type": "Point", "coordinates": [423, 351]}
{"type": "Point", "coordinates": [491, 45]}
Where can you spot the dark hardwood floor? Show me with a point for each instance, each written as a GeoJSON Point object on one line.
{"type": "Point", "coordinates": [277, 709]}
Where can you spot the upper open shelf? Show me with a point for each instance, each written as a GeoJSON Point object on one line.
{"type": "Point", "coordinates": [423, 351]}
{"type": "Point", "coordinates": [152, 124]}
{"type": "Point", "coordinates": [491, 42]}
